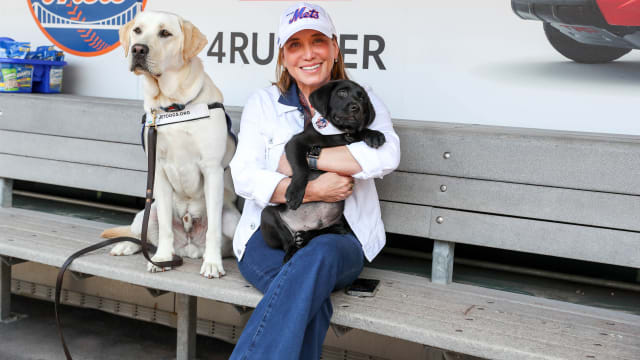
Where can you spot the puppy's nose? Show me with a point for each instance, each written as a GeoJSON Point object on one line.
{"type": "Point", "coordinates": [139, 50]}
{"type": "Point", "coordinates": [354, 107]}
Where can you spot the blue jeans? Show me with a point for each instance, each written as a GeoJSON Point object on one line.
{"type": "Point", "coordinates": [292, 319]}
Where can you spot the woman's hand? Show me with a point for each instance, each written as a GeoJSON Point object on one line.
{"type": "Point", "coordinates": [329, 187]}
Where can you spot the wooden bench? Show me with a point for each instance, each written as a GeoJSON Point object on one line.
{"type": "Point", "coordinates": [554, 193]}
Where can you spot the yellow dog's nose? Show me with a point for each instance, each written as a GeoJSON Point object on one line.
{"type": "Point", "coordinates": [139, 50]}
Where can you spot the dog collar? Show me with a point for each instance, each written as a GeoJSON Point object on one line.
{"type": "Point", "coordinates": [177, 107]}
{"type": "Point", "coordinates": [324, 126]}
{"type": "Point", "coordinates": [174, 107]}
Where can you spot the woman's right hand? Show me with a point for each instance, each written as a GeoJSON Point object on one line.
{"type": "Point", "coordinates": [329, 187]}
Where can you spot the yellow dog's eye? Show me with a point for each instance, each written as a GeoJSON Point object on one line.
{"type": "Point", "coordinates": [137, 30]}
{"type": "Point", "coordinates": [164, 33]}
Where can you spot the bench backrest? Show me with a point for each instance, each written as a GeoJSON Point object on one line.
{"type": "Point", "coordinates": [564, 194]}
{"type": "Point", "coordinates": [574, 195]}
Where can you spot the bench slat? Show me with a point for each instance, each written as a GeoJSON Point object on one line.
{"type": "Point", "coordinates": [528, 201]}
{"type": "Point", "coordinates": [119, 181]}
{"type": "Point", "coordinates": [507, 311]}
{"type": "Point", "coordinates": [83, 151]}
{"type": "Point", "coordinates": [539, 237]}
{"type": "Point", "coordinates": [116, 120]}
{"type": "Point", "coordinates": [471, 314]}
{"type": "Point", "coordinates": [506, 343]}
{"type": "Point", "coordinates": [537, 157]}
{"type": "Point", "coordinates": [74, 116]}
{"type": "Point", "coordinates": [406, 219]}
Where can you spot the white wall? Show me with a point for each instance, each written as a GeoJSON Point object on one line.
{"type": "Point", "coordinates": [468, 61]}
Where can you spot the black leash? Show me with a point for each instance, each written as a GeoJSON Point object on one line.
{"type": "Point", "coordinates": [152, 137]}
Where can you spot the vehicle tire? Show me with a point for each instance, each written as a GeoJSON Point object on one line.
{"type": "Point", "coordinates": [579, 52]}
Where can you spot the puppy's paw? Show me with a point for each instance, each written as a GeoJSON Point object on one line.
{"type": "Point", "coordinates": [124, 248]}
{"type": "Point", "coordinates": [212, 267]}
{"type": "Point", "coordinates": [374, 138]}
{"type": "Point", "coordinates": [159, 258]}
{"type": "Point", "coordinates": [295, 194]}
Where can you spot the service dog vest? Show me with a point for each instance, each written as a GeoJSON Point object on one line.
{"type": "Point", "coordinates": [179, 113]}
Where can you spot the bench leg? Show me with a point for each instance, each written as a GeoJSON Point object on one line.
{"type": "Point", "coordinates": [186, 306]}
{"type": "Point", "coordinates": [5, 291]}
{"type": "Point", "coordinates": [6, 191]}
{"type": "Point", "coordinates": [442, 262]}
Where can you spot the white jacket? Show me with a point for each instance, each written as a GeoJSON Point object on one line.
{"type": "Point", "coordinates": [266, 126]}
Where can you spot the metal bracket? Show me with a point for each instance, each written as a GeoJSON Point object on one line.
{"type": "Point", "coordinates": [242, 309]}
{"type": "Point", "coordinates": [340, 330]}
{"type": "Point", "coordinates": [80, 276]}
{"type": "Point", "coordinates": [156, 292]}
{"type": "Point", "coordinates": [10, 261]}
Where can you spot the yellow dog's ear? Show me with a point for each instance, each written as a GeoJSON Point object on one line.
{"type": "Point", "coordinates": [124, 32]}
{"type": "Point", "coordinates": [194, 40]}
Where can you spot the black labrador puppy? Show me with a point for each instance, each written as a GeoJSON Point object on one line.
{"type": "Point", "coordinates": [347, 107]}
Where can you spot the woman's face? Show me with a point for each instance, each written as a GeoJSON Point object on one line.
{"type": "Point", "coordinates": [308, 56]}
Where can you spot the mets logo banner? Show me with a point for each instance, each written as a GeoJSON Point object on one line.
{"type": "Point", "coordinates": [84, 27]}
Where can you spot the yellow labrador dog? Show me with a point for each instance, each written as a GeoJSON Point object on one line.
{"type": "Point", "coordinates": [194, 211]}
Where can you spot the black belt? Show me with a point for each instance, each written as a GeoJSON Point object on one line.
{"type": "Point", "coordinates": [152, 135]}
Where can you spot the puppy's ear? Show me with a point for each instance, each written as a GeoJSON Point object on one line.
{"type": "Point", "coordinates": [124, 32]}
{"type": "Point", "coordinates": [194, 40]}
{"type": "Point", "coordinates": [321, 97]}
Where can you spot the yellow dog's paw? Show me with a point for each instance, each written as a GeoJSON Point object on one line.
{"type": "Point", "coordinates": [212, 269]}
{"type": "Point", "coordinates": [159, 258]}
{"type": "Point", "coordinates": [124, 248]}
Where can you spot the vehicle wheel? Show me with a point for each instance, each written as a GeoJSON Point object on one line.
{"type": "Point", "coordinates": [579, 52]}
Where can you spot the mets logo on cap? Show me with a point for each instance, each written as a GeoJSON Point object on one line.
{"type": "Point", "coordinates": [84, 27]}
{"type": "Point", "coordinates": [303, 13]}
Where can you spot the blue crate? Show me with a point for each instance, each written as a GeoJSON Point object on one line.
{"type": "Point", "coordinates": [44, 76]}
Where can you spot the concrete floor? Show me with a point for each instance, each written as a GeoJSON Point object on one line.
{"type": "Point", "coordinates": [92, 335]}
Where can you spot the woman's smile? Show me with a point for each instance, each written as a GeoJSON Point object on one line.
{"type": "Point", "coordinates": [311, 68]}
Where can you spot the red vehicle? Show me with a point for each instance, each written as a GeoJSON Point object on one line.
{"type": "Point", "coordinates": [586, 31]}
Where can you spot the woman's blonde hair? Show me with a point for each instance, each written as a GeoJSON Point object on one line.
{"type": "Point", "coordinates": [338, 72]}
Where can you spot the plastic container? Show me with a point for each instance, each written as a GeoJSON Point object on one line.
{"type": "Point", "coordinates": [27, 75]}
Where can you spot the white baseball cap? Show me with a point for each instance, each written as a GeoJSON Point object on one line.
{"type": "Point", "coordinates": [303, 16]}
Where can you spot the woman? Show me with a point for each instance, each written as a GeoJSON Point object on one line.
{"type": "Point", "coordinates": [292, 319]}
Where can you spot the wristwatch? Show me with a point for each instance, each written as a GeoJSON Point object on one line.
{"type": "Point", "coordinates": [312, 157]}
